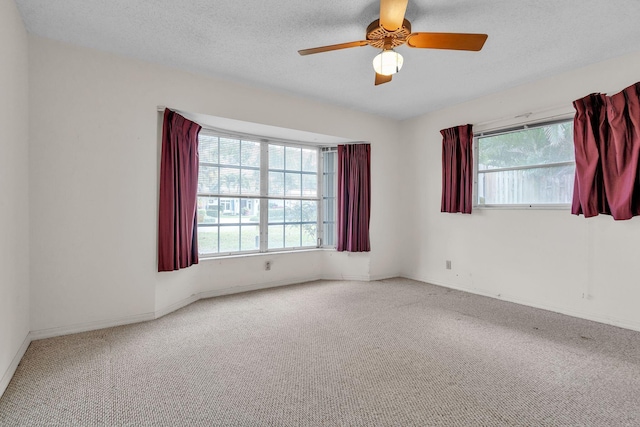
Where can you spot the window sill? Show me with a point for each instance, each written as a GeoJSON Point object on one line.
{"type": "Point", "coordinates": [559, 207]}
{"type": "Point", "coordinates": [261, 254]}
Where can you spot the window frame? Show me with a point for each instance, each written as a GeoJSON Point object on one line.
{"type": "Point", "coordinates": [509, 129]}
{"type": "Point", "coordinates": [333, 194]}
{"type": "Point", "coordinates": [264, 197]}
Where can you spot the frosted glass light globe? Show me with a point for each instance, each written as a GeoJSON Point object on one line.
{"type": "Point", "coordinates": [387, 62]}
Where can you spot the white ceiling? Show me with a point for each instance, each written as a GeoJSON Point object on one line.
{"type": "Point", "coordinates": [256, 42]}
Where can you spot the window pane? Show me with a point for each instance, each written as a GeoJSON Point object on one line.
{"type": "Point", "coordinates": [310, 185]}
{"type": "Point", "coordinates": [229, 211]}
{"type": "Point", "coordinates": [229, 239]}
{"type": "Point", "coordinates": [250, 154]}
{"type": "Point", "coordinates": [539, 145]}
{"type": "Point", "coordinates": [329, 234]}
{"type": "Point", "coordinates": [208, 179]}
{"type": "Point", "coordinates": [250, 238]}
{"type": "Point", "coordinates": [309, 160]}
{"type": "Point", "coordinates": [329, 161]}
{"type": "Point", "coordinates": [309, 211]}
{"type": "Point", "coordinates": [229, 181]}
{"type": "Point", "coordinates": [276, 157]}
{"type": "Point", "coordinates": [292, 236]}
{"type": "Point", "coordinates": [208, 148]}
{"type": "Point", "coordinates": [309, 235]}
{"type": "Point", "coordinates": [292, 159]}
{"type": "Point", "coordinates": [292, 211]}
{"type": "Point", "coordinates": [276, 211]}
{"type": "Point", "coordinates": [293, 184]}
{"type": "Point", "coordinates": [550, 185]}
{"type": "Point", "coordinates": [207, 210]}
{"type": "Point", "coordinates": [250, 181]}
{"type": "Point", "coordinates": [329, 213]}
{"type": "Point", "coordinates": [229, 152]}
{"type": "Point", "coordinates": [276, 183]}
{"type": "Point", "coordinates": [329, 184]}
{"type": "Point", "coordinates": [276, 236]}
{"type": "Point", "coordinates": [207, 240]}
{"type": "Point", "coordinates": [329, 173]}
{"type": "Point", "coordinates": [250, 211]}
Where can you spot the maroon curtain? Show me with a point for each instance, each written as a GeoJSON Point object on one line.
{"type": "Point", "coordinates": [354, 197]}
{"type": "Point", "coordinates": [457, 169]}
{"type": "Point", "coordinates": [177, 222]}
{"type": "Point", "coordinates": [606, 134]}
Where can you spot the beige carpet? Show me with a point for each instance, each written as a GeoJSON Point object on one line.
{"type": "Point", "coordinates": [391, 353]}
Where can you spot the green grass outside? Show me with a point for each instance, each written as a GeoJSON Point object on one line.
{"type": "Point", "coordinates": [232, 239]}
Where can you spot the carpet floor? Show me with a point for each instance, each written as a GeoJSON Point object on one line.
{"type": "Point", "coordinates": [335, 353]}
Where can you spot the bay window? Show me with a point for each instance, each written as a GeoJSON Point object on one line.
{"type": "Point", "coordinates": [256, 195]}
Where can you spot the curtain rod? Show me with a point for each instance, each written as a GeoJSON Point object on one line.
{"type": "Point", "coordinates": [550, 113]}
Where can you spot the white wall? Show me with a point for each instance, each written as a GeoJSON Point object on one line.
{"type": "Point", "coordinates": [14, 186]}
{"type": "Point", "coordinates": [94, 175]}
{"type": "Point", "coordinates": [544, 258]}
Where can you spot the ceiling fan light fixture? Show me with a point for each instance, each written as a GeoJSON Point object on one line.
{"type": "Point", "coordinates": [387, 62]}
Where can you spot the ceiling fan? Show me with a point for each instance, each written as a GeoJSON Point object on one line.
{"type": "Point", "coordinates": [393, 30]}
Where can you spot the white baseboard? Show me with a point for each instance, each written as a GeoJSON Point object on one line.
{"type": "Point", "coordinates": [175, 306]}
{"type": "Point", "coordinates": [383, 277]}
{"type": "Point", "coordinates": [354, 277]}
{"type": "Point", "coordinates": [8, 374]}
{"type": "Point", "coordinates": [254, 287]}
{"type": "Point", "coordinates": [608, 320]}
{"type": "Point", "coordinates": [89, 326]}
{"type": "Point", "coordinates": [229, 291]}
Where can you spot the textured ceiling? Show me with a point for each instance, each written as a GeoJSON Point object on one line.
{"type": "Point", "coordinates": [256, 42]}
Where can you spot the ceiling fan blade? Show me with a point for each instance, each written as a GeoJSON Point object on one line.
{"type": "Point", "coordinates": [392, 13]}
{"type": "Point", "coordinates": [333, 47]}
{"type": "Point", "coordinates": [380, 79]}
{"type": "Point", "coordinates": [454, 41]}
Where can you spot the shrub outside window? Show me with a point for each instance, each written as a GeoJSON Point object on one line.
{"type": "Point", "coordinates": [525, 166]}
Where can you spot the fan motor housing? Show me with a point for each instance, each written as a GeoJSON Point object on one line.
{"type": "Point", "coordinates": [379, 37]}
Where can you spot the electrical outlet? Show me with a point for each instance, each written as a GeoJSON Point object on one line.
{"type": "Point", "coordinates": [267, 265]}
{"type": "Point", "coordinates": [448, 264]}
